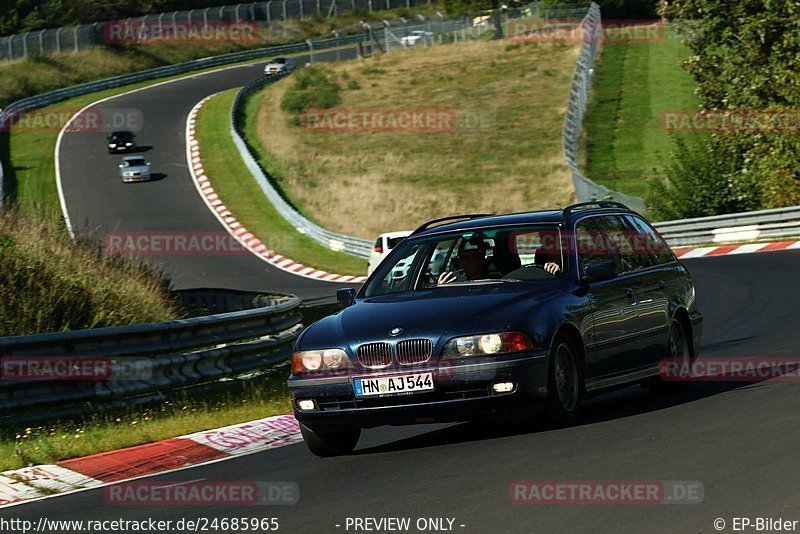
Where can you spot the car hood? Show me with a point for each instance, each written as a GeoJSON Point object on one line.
{"type": "Point", "coordinates": [438, 314]}
{"type": "Point", "coordinates": [135, 169]}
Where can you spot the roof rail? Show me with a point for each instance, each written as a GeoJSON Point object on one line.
{"type": "Point", "coordinates": [598, 203]}
{"type": "Point", "coordinates": [468, 216]}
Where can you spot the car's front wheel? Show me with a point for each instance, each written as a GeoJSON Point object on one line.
{"type": "Point", "coordinates": [563, 383]}
{"type": "Point", "coordinates": [330, 441]}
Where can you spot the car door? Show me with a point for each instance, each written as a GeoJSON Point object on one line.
{"type": "Point", "coordinates": [621, 339]}
{"type": "Point", "coordinates": [613, 344]}
{"type": "Point", "coordinates": [653, 301]}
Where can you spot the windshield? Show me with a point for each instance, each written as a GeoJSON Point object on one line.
{"type": "Point", "coordinates": [279, 60]}
{"type": "Point", "coordinates": [134, 163]}
{"type": "Point", "coordinates": [489, 255]}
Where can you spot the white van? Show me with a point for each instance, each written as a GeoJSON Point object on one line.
{"type": "Point", "coordinates": [384, 244]}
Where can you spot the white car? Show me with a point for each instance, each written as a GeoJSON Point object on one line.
{"type": "Point", "coordinates": [417, 37]}
{"type": "Point", "coordinates": [134, 169]}
{"type": "Point", "coordinates": [384, 244]}
{"type": "Point", "coordinates": [279, 65]}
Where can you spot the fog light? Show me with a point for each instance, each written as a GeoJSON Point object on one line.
{"type": "Point", "coordinates": [503, 387]}
{"type": "Point", "coordinates": [306, 404]}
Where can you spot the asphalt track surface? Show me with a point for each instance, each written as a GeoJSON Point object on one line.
{"type": "Point", "coordinates": [740, 440]}
{"type": "Point", "coordinates": [98, 202]}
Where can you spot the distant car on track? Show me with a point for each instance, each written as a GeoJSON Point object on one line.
{"type": "Point", "coordinates": [134, 169]}
{"type": "Point", "coordinates": [474, 329]}
{"type": "Point", "coordinates": [121, 141]}
{"type": "Point", "coordinates": [384, 244]}
{"type": "Point", "coordinates": [417, 37]}
{"type": "Point", "coordinates": [279, 65]}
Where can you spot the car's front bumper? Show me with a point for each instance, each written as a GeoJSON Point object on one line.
{"type": "Point", "coordinates": [134, 179]}
{"type": "Point", "coordinates": [463, 391]}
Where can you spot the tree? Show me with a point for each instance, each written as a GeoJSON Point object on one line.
{"type": "Point", "coordinates": [745, 55]}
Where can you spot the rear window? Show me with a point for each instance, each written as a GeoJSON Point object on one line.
{"type": "Point", "coordinates": [392, 242]}
{"type": "Point", "coordinates": [649, 238]}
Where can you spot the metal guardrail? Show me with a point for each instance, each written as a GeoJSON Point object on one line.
{"type": "Point", "coordinates": [733, 228]}
{"type": "Point", "coordinates": [335, 241]}
{"type": "Point", "coordinates": [586, 189]}
{"type": "Point", "coordinates": [270, 13]}
{"type": "Point", "coordinates": [53, 97]}
{"type": "Point", "coordinates": [147, 361]}
{"type": "Point", "coordinates": [387, 37]}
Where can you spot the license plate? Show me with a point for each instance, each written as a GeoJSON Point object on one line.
{"type": "Point", "coordinates": [393, 385]}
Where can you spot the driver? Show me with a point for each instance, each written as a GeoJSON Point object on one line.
{"type": "Point", "coordinates": [471, 259]}
{"type": "Point", "coordinates": [549, 259]}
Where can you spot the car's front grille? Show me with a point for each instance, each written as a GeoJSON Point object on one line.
{"type": "Point", "coordinates": [412, 351]}
{"type": "Point", "coordinates": [375, 355]}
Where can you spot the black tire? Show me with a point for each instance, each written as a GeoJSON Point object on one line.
{"type": "Point", "coordinates": [330, 441]}
{"type": "Point", "coordinates": [679, 350]}
{"type": "Point", "coordinates": [564, 383]}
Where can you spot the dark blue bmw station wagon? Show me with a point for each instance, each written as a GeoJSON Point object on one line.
{"type": "Point", "coordinates": [479, 315]}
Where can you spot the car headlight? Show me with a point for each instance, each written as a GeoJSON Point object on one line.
{"type": "Point", "coordinates": [128, 144]}
{"type": "Point", "coordinates": [318, 360]}
{"type": "Point", "coordinates": [113, 145]}
{"type": "Point", "coordinates": [483, 344]}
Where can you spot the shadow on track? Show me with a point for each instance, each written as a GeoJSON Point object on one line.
{"type": "Point", "coordinates": [631, 401]}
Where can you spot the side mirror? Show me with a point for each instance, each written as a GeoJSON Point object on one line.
{"type": "Point", "coordinates": [346, 297]}
{"type": "Point", "coordinates": [598, 272]}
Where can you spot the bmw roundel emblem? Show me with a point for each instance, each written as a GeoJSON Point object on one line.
{"type": "Point", "coordinates": [396, 331]}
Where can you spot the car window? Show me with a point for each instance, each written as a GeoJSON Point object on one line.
{"type": "Point", "coordinates": [440, 260]}
{"type": "Point", "coordinates": [650, 239]}
{"type": "Point", "coordinates": [466, 257]}
{"type": "Point", "coordinates": [134, 163]}
{"type": "Point", "coordinates": [401, 275]}
{"type": "Point", "coordinates": [618, 235]}
{"type": "Point", "coordinates": [591, 245]}
{"type": "Point", "coordinates": [392, 242]}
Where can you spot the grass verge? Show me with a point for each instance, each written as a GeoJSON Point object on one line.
{"type": "Point", "coordinates": [362, 182]}
{"type": "Point", "coordinates": [20, 447]}
{"type": "Point", "coordinates": [634, 84]}
{"type": "Point", "coordinates": [49, 283]}
{"type": "Point", "coordinates": [244, 198]}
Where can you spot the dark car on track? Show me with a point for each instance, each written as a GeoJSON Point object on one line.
{"type": "Point", "coordinates": [121, 141]}
{"type": "Point", "coordinates": [496, 316]}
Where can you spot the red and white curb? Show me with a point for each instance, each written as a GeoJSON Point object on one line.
{"type": "Point", "coordinates": [41, 481]}
{"type": "Point", "coordinates": [234, 227]}
{"type": "Point", "coordinates": [724, 250]}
